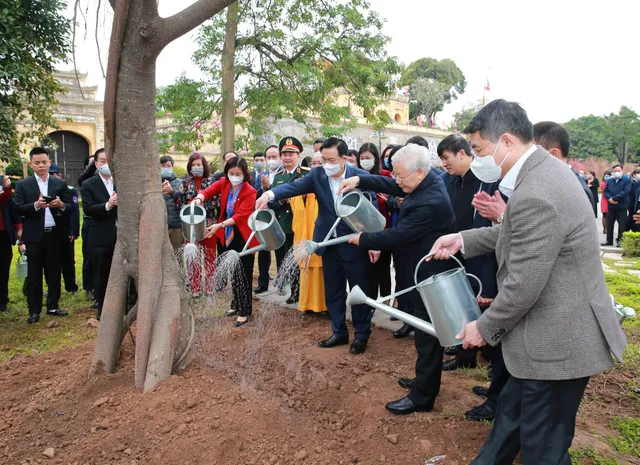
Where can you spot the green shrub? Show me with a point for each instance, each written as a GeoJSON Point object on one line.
{"type": "Point", "coordinates": [631, 244]}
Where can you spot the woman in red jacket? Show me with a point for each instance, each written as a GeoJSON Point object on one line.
{"type": "Point", "coordinates": [380, 272]}
{"type": "Point", "coordinates": [237, 201]}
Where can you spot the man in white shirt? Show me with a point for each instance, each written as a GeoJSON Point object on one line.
{"type": "Point", "coordinates": [45, 203]}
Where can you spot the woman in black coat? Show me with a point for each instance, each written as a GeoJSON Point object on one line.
{"type": "Point", "coordinates": [594, 185]}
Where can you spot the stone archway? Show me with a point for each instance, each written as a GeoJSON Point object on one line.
{"type": "Point", "coordinates": [68, 150]}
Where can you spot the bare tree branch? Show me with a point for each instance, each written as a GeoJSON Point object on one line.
{"type": "Point", "coordinates": [104, 75]}
{"type": "Point", "coordinates": [73, 47]}
{"type": "Point", "coordinates": [191, 17]}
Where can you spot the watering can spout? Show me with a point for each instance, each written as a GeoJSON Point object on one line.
{"type": "Point", "coordinates": [358, 297]}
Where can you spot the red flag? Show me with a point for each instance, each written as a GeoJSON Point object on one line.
{"type": "Point", "coordinates": [486, 86]}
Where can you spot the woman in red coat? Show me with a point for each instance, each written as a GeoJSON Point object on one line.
{"type": "Point", "coordinates": [237, 201]}
{"type": "Point", "coordinates": [380, 272]}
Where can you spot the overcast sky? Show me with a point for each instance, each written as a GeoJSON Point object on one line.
{"type": "Point", "coordinates": [560, 59]}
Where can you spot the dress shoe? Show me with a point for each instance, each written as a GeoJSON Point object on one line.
{"type": "Point", "coordinates": [359, 346]}
{"type": "Point", "coordinates": [480, 413]}
{"type": "Point", "coordinates": [606, 244]}
{"type": "Point", "coordinates": [260, 289]}
{"type": "Point", "coordinates": [230, 313]}
{"type": "Point", "coordinates": [292, 300]}
{"type": "Point", "coordinates": [405, 406]}
{"type": "Point", "coordinates": [94, 305]}
{"type": "Point", "coordinates": [451, 351]}
{"type": "Point", "coordinates": [403, 332]}
{"type": "Point", "coordinates": [240, 323]}
{"type": "Point", "coordinates": [406, 383]}
{"type": "Point", "coordinates": [90, 295]}
{"type": "Point", "coordinates": [333, 341]}
{"type": "Point", "coordinates": [452, 365]}
{"type": "Point", "coordinates": [56, 312]}
{"type": "Point", "coordinates": [33, 319]}
{"type": "Point", "coordinates": [618, 244]}
{"type": "Point", "coordinates": [480, 391]}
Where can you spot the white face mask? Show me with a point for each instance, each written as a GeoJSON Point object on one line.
{"type": "Point", "coordinates": [617, 174]}
{"type": "Point", "coordinates": [350, 164]}
{"type": "Point", "coordinates": [367, 164]}
{"type": "Point", "coordinates": [331, 168]}
{"type": "Point", "coordinates": [259, 166]}
{"type": "Point", "coordinates": [637, 177]}
{"type": "Point", "coordinates": [104, 170]}
{"type": "Point", "coordinates": [486, 169]}
{"type": "Point", "coordinates": [236, 180]}
{"type": "Point", "coordinates": [273, 164]}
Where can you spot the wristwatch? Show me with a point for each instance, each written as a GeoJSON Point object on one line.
{"type": "Point", "coordinates": [500, 218]}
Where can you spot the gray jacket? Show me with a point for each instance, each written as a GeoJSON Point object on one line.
{"type": "Point", "coordinates": [173, 212]}
{"type": "Point", "coordinates": [552, 312]}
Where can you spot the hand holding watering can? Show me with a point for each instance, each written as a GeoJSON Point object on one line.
{"type": "Point", "coordinates": [444, 248]}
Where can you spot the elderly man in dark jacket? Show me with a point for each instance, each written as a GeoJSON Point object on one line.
{"type": "Point", "coordinates": [425, 213]}
{"type": "Point", "coordinates": [171, 192]}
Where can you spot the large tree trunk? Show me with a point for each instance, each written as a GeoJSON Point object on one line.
{"type": "Point", "coordinates": [228, 80]}
{"type": "Point", "coordinates": [143, 251]}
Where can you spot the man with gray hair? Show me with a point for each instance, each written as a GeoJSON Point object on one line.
{"type": "Point", "coordinates": [425, 214]}
{"type": "Point", "coordinates": [552, 312]}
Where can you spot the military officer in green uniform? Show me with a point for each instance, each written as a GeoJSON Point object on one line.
{"type": "Point", "coordinates": [290, 150]}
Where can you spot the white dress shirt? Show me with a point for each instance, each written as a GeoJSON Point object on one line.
{"type": "Point", "coordinates": [49, 222]}
{"type": "Point", "coordinates": [272, 174]}
{"type": "Point", "coordinates": [508, 183]}
{"type": "Point", "coordinates": [108, 183]}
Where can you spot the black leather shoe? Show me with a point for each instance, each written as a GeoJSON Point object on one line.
{"type": "Point", "coordinates": [292, 300]}
{"type": "Point", "coordinates": [94, 305]}
{"type": "Point", "coordinates": [406, 383]}
{"type": "Point", "coordinates": [359, 346]}
{"type": "Point", "coordinates": [480, 413]}
{"type": "Point", "coordinates": [451, 351]}
{"type": "Point", "coordinates": [333, 341]}
{"type": "Point", "coordinates": [606, 244]}
{"type": "Point", "coordinates": [618, 244]}
{"type": "Point", "coordinates": [403, 332]}
{"type": "Point", "coordinates": [33, 319]}
{"type": "Point", "coordinates": [260, 289]}
{"type": "Point", "coordinates": [405, 406]}
{"type": "Point", "coordinates": [480, 391]}
{"type": "Point", "coordinates": [240, 323]}
{"type": "Point", "coordinates": [56, 312]}
{"type": "Point", "coordinates": [452, 365]}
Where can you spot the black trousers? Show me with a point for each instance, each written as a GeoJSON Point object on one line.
{"type": "Point", "coordinates": [380, 275]}
{"type": "Point", "coordinates": [264, 263]}
{"type": "Point", "coordinates": [101, 258]}
{"type": "Point", "coordinates": [43, 256]}
{"type": "Point", "coordinates": [429, 362]}
{"type": "Point", "coordinates": [281, 253]}
{"type": "Point", "coordinates": [241, 279]}
{"type": "Point", "coordinates": [68, 260]}
{"type": "Point", "coordinates": [537, 417]}
{"type": "Point", "coordinates": [87, 268]}
{"type": "Point", "coordinates": [619, 215]}
{"type": "Point", "coordinates": [6, 256]}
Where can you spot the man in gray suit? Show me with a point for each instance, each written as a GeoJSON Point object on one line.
{"type": "Point", "coordinates": [552, 312]}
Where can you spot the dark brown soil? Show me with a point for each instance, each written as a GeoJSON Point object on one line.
{"type": "Point", "coordinates": [260, 394]}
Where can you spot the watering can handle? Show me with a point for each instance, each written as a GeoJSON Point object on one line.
{"type": "Point", "coordinates": [422, 260]}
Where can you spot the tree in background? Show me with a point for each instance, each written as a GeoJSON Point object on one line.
{"type": "Point", "coordinates": [285, 59]}
{"type": "Point", "coordinates": [444, 72]}
{"type": "Point", "coordinates": [427, 97]}
{"type": "Point", "coordinates": [624, 128]}
{"type": "Point", "coordinates": [462, 118]}
{"type": "Point", "coordinates": [34, 36]}
{"type": "Point", "coordinates": [143, 252]}
{"type": "Point", "coordinates": [590, 138]}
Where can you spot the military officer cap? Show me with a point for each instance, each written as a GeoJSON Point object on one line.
{"type": "Point", "coordinates": [290, 144]}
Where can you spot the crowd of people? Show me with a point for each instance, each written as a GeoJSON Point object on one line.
{"type": "Point", "coordinates": [502, 198]}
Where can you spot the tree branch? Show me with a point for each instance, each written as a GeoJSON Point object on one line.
{"type": "Point", "coordinates": [191, 17]}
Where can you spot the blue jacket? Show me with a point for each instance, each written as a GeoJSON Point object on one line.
{"type": "Point", "coordinates": [316, 182]}
{"type": "Point", "coordinates": [485, 267]}
{"type": "Point", "coordinates": [618, 190]}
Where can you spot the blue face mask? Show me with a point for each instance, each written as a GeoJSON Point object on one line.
{"type": "Point", "coordinates": [386, 162]}
{"type": "Point", "coordinates": [166, 172]}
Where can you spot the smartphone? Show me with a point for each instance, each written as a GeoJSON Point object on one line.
{"type": "Point", "coordinates": [48, 199]}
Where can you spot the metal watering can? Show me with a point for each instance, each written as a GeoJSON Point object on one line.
{"type": "Point", "coordinates": [21, 267]}
{"type": "Point", "coordinates": [194, 222]}
{"type": "Point", "coordinates": [447, 296]}
{"type": "Point", "coordinates": [622, 312]}
{"type": "Point", "coordinates": [266, 228]}
{"type": "Point", "coordinates": [357, 211]}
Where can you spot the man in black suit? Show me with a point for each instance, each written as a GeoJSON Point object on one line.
{"type": "Point", "coordinates": [425, 214]}
{"type": "Point", "coordinates": [100, 202]}
{"type": "Point", "coordinates": [45, 203]}
{"type": "Point", "coordinates": [87, 268]}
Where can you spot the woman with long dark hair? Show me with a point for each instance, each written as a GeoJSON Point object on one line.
{"type": "Point", "coordinates": [199, 178]}
{"type": "Point", "coordinates": [237, 201]}
{"type": "Point", "coordinates": [594, 185]}
{"type": "Point", "coordinates": [368, 159]}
